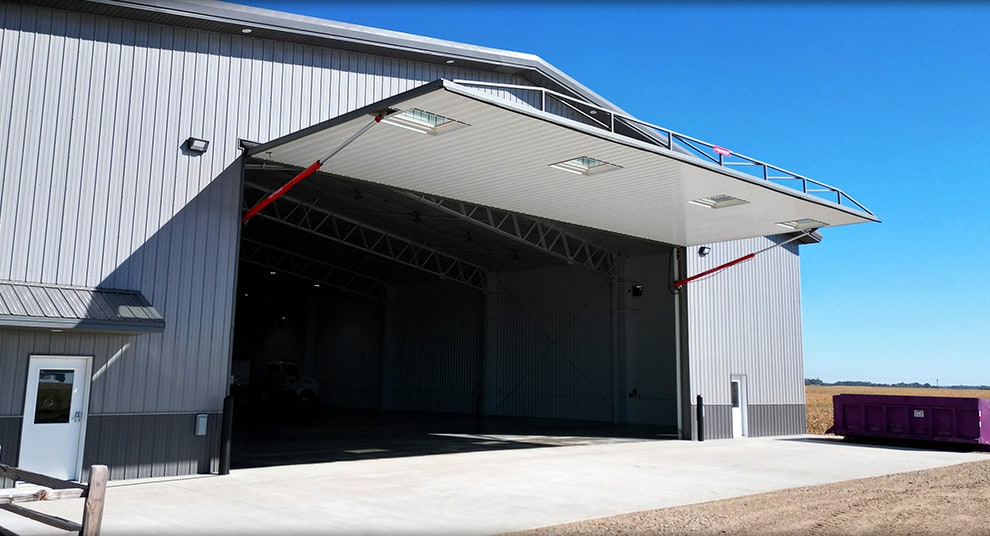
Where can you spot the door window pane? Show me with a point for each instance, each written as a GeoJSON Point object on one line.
{"type": "Point", "coordinates": [735, 394]}
{"type": "Point", "coordinates": [54, 396]}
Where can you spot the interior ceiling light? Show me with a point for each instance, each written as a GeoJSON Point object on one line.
{"type": "Point", "coordinates": [718, 201]}
{"type": "Point", "coordinates": [802, 224]}
{"type": "Point", "coordinates": [584, 165]}
{"type": "Point", "coordinates": [422, 121]}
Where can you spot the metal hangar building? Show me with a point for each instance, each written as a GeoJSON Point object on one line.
{"type": "Point", "coordinates": [482, 235]}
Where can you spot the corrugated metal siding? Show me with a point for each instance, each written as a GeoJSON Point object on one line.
{"type": "Point", "coordinates": [96, 191]}
{"type": "Point", "coordinates": [746, 320]}
{"type": "Point", "coordinates": [348, 350]}
{"type": "Point", "coordinates": [141, 446]}
{"type": "Point", "coordinates": [777, 419]}
{"type": "Point", "coordinates": [718, 421]}
{"type": "Point", "coordinates": [17, 346]}
{"type": "Point", "coordinates": [554, 344]}
{"type": "Point", "coordinates": [10, 438]}
{"type": "Point", "coordinates": [648, 347]}
{"type": "Point", "coordinates": [433, 347]}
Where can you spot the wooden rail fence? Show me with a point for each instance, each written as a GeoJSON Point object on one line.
{"type": "Point", "coordinates": [52, 489]}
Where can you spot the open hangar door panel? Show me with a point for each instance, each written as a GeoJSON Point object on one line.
{"type": "Point", "coordinates": [384, 299]}
{"type": "Point", "coordinates": [445, 206]}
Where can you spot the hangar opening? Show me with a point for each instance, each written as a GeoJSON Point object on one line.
{"type": "Point", "coordinates": [364, 310]}
{"type": "Point", "coordinates": [470, 254]}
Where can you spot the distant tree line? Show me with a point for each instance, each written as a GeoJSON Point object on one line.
{"type": "Point", "coordinates": [857, 383]}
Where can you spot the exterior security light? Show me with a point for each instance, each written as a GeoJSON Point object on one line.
{"type": "Point", "coordinates": [704, 250]}
{"type": "Point", "coordinates": [422, 121]}
{"type": "Point", "coordinates": [718, 201]}
{"type": "Point", "coordinates": [197, 145]}
{"type": "Point", "coordinates": [584, 165]}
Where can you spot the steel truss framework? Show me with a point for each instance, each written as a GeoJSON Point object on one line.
{"type": "Point", "coordinates": [317, 271]}
{"type": "Point", "coordinates": [321, 222]}
{"type": "Point", "coordinates": [533, 232]}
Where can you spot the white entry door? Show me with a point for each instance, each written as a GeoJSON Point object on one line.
{"type": "Point", "coordinates": [738, 394]}
{"type": "Point", "coordinates": [55, 405]}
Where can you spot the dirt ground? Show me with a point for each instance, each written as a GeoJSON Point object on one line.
{"type": "Point", "coordinates": [949, 500]}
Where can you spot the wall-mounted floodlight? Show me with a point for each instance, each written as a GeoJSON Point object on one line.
{"type": "Point", "coordinates": [197, 145]}
{"type": "Point", "coordinates": [704, 250]}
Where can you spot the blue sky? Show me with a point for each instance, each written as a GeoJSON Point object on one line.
{"type": "Point", "coordinates": [888, 101]}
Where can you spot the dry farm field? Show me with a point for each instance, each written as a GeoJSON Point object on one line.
{"type": "Point", "coordinates": [819, 399]}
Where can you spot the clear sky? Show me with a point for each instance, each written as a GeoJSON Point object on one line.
{"type": "Point", "coordinates": [888, 101]}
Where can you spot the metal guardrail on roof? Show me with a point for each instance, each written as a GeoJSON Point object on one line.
{"type": "Point", "coordinates": [613, 122]}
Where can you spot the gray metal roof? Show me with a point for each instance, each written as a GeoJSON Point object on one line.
{"type": "Point", "coordinates": [231, 18]}
{"type": "Point", "coordinates": [35, 305]}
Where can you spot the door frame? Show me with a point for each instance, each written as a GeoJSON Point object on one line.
{"type": "Point", "coordinates": [87, 385]}
{"type": "Point", "coordinates": [743, 402]}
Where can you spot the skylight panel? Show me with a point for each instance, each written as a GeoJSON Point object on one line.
{"type": "Point", "coordinates": [802, 224]}
{"type": "Point", "coordinates": [718, 201]}
{"type": "Point", "coordinates": [584, 165]}
{"type": "Point", "coordinates": [422, 121]}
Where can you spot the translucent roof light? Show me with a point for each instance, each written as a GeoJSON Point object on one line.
{"type": "Point", "coordinates": [802, 224]}
{"type": "Point", "coordinates": [422, 121]}
{"type": "Point", "coordinates": [584, 165]}
{"type": "Point", "coordinates": [718, 201]}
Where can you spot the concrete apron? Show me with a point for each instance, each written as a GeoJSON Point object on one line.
{"type": "Point", "coordinates": [483, 492]}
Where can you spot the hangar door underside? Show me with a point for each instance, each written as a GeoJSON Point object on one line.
{"type": "Point", "coordinates": [465, 253]}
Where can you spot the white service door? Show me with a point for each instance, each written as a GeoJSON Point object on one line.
{"type": "Point", "coordinates": [55, 407]}
{"type": "Point", "coordinates": [737, 417]}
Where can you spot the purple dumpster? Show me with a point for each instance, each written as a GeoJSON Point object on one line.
{"type": "Point", "coordinates": [926, 418]}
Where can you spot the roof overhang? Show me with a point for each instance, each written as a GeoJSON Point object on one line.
{"type": "Point", "coordinates": [63, 308]}
{"type": "Point", "coordinates": [504, 157]}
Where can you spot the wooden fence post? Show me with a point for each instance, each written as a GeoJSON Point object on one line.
{"type": "Point", "coordinates": [93, 510]}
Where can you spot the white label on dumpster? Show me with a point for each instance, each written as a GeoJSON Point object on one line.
{"type": "Point", "coordinates": [919, 413]}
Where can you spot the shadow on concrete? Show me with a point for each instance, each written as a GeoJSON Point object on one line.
{"type": "Point", "coordinates": [340, 435]}
{"type": "Point", "coordinates": [893, 444]}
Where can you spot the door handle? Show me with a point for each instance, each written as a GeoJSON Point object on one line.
{"type": "Point", "coordinates": [77, 416]}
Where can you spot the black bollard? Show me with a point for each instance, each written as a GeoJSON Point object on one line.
{"type": "Point", "coordinates": [226, 430]}
{"type": "Point", "coordinates": [701, 419]}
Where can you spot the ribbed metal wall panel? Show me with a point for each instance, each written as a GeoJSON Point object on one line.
{"type": "Point", "coordinates": [142, 446]}
{"type": "Point", "coordinates": [718, 421]}
{"type": "Point", "coordinates": [433, 347]}
{"type": "Point", "coordinates": [554, 344]}
{"type": "Point", "coordinates": [109, 352]}
{"type": "Point", "coordinates": [96, 191]}
{"type": "Point", "coordinates": [746, 320]}
{"type": "Point", "coordinates": [10, 437]}
{"type": "Point", "coordinates": [347, 350]}
{"type": "Point", "coordinates": [648, 346]}
{"type": "Point", "coordinates": [777, 419]}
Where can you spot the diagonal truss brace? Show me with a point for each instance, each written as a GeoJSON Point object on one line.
{"type": "Point", "coordinates": [310, 269]}
{"type": "Point", "coordinates": [321, 222]}
{"type": "Point", "coordinates": [535, 233]}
